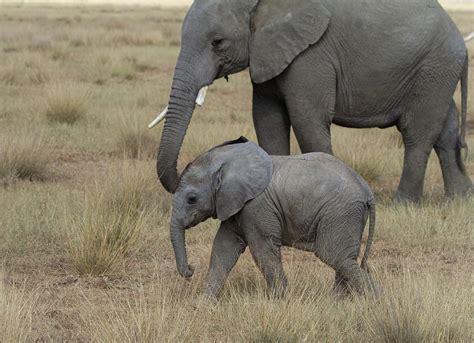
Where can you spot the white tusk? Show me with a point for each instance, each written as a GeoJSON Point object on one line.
{"type": "Point", "coordinates": [199, 101]}
{"type": "Point", "coordinates": [468, 38]}
{"type": "Point", "coordinates": [159, 118]}
{"type": "Point", "coordinates": [201, 96]}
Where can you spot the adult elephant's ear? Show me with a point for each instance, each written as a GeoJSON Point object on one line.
{"type": "Point", "coordinates": [281, 30]}
{"type": "Point", "coordinates": [243, 172]}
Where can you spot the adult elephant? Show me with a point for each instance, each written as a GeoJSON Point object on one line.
{"type": "Point", "coordinates": [357, 64]}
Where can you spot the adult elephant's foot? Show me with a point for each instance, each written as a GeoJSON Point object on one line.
{"type": "Point", "coordinates": [406, 198]}
{"type": "Point", "coordinates": [463, 188]}
{"type": "Point", "coordinates": [204, 301]}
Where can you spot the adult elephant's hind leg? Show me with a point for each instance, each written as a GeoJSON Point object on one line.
{"type": "Point", "coordinates": [447, 147]}
{"type": "Point", "coordinates": [420, 127]}
{"type": "Point", "coordinates": [413, 175]}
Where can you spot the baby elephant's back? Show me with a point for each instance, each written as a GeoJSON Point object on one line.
{"type": "Point", "coordinates": [317, 177]}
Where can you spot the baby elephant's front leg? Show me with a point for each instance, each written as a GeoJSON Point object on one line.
{"type": "Point", "coordinates": [267, 256]}
{"type": "Point", "coordinates": [227, 248]}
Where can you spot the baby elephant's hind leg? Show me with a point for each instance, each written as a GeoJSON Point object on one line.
{"type": "Point", "coordinates": [338, 245]}
{"type": "Point", "coordinates": [357, 279]}
{"type": "Point", "coordinates": [341, 286]}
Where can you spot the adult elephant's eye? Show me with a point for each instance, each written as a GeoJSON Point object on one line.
{"type": "Point", "coordinates": [192, 199]}
{"type": "Point", "coordinates": [216, 42]}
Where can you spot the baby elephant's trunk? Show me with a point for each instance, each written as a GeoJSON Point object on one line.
{"type": "Point", "coordinates": [370, 237]}
{"type": "Point", "coordinates": [179, 247]}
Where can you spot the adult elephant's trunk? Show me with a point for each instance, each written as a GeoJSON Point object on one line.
{"type": "Point", "coordinates": [180, 109]}
{"type": "Point", "coordinates": [179, 246]}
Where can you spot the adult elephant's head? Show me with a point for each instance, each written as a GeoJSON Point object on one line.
{"type": "Point", "coordinates": [222, 37]}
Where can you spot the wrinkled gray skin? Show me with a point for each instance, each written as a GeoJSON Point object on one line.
{"type": "Point", "coordinates": [312, 202]}
{"type": "Point", "coordinates": [357, 64]}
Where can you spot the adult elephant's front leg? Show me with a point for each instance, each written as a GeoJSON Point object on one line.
{"type": "Point", "coordinates": [227, 248]}
{"type": "Point", "coordinates": [271, 121]}
{"type": "Point", "coordinates": [311, 122]}
{"type": "Point", "coordinates": [310, 104]}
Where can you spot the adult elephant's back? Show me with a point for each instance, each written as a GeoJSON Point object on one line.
{"type": "Point", "coordinates": [381, 47]}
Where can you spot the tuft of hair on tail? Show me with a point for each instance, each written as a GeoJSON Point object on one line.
{"type": "Point", "coordinates": [370, 237]}
{"type": "Point", "coordinates": [464, 91]}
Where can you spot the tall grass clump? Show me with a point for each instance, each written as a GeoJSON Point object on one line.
{"type": "Point", "coordinates": [65, 103]}
{"type": "Point", "coordinates": [135, 141]}
{"type": "Point", "coordinates": [420, 309]}
{"type": "Point", "coordinates": [15, 315]}
{"type": "Point", "coordinates": [23, 155]}
{"type": "Point", "coordinates": [109, 226]}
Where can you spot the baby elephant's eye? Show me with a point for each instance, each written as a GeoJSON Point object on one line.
{"type": "Point", "coordinates": [216, 42]}
{"type": "Point", "coordinates": [192, 199]}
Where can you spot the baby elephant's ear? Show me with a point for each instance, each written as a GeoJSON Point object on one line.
{"type": "Point", "coordinates": [245, 172]}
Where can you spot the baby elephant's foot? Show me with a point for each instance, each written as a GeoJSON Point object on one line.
{"type": "Point", "coordinates": [341, 288]}
{"type": "Point", "coordinates": [341, 291]}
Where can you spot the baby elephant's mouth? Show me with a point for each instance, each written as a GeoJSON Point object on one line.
{"type": "Point", "coordinates": [196, 218]}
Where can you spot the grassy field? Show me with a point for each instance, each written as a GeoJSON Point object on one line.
{"type": "Point", "coordinates": [84, 249]}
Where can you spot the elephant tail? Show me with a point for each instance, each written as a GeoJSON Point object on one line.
{"type": "Point", "coordinates": [370, 236]}
{"type": "Point", "coordinates": [464, 89]}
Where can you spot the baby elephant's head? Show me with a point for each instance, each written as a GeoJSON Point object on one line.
{"type": "Point", "coordinates": [217, 184]}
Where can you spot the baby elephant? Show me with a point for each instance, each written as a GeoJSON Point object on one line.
{"type": "Point", "coordinates": [313, 202]}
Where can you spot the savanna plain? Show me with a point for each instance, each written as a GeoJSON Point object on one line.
{"type": "Point", "coordinates": [84, 248]}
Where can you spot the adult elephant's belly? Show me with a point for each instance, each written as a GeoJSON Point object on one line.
{"type": "Point", "coordinates": [380, 120]}
{"type": "Point", "coordinates": [370, 98]}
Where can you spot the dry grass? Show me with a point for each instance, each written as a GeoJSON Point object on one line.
{"type": "Point", "coordinates": [109, 227]}
{"type": "Point", "coordinates": [23, 155]}
{"type": "Point", "coordinates": [366, 151]}
{"type": "Point", "coordinates": [91, 244]}
{"type": "Point", "coordinates": [65, 104]}
{"type": "Point", "coordinates": [445, 224]}
{"type": "Point", "coordinates": [406, 313]}
{"type": "Point", "coordinates": [16, 309]}
{"type": "Point", "coordinates": [421, 308]}
{"type": "Point", "coordinates": [134, 140]}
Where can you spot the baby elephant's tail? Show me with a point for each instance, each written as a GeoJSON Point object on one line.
{"type": "Point", "coordinates": [370, 237]}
